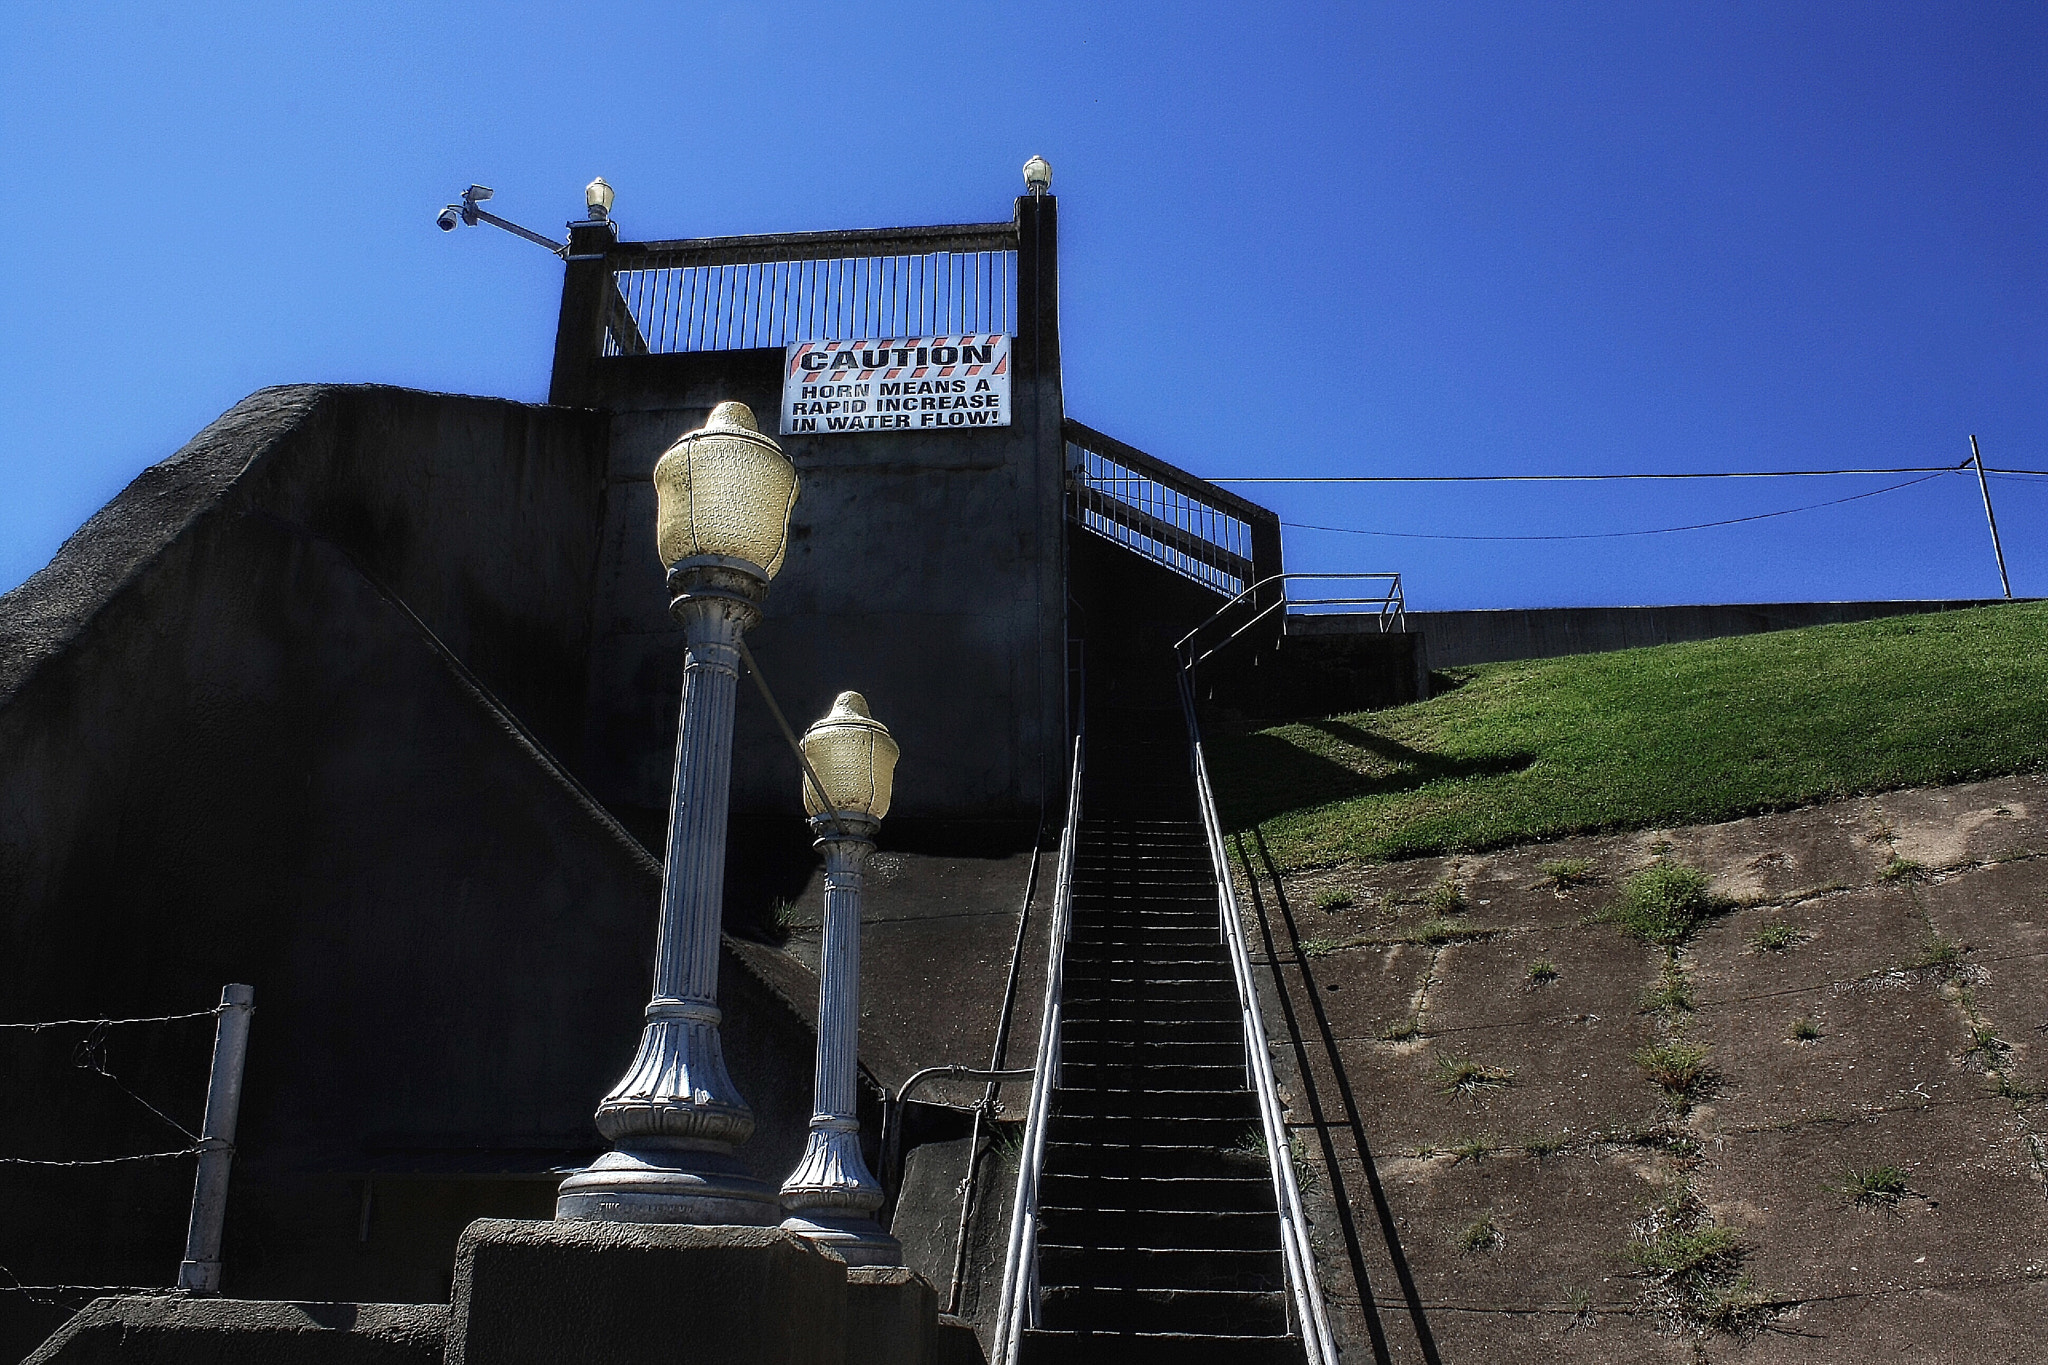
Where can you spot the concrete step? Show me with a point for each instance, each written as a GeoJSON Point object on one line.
{"type": "Point", "coordinates": [1220, 1132]}
{"type": "Point", "coordinates": [1160, 1229]}
{"type": "Point", "coordinates": [1232, 1312]}
{"type": "Point", "coordinates": [1163, 1104]}
{"type": "Point", "coordinates": [1152, 1160]}
{"type": "Point", "coordinates": [1248, 1193]}
{"type": "Point", "coordinates": [1261, 1268]}
{"type": "Point", "coordinates": [1041, 1347]}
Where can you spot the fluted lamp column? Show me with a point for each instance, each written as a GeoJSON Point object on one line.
{"type": "Point", "coordinates": [724, 495]}
{"type": "Point", "coordinates": [831, 1196]}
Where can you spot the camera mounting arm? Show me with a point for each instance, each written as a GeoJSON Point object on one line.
{"type": "Point", "coordinates": [468, 213]}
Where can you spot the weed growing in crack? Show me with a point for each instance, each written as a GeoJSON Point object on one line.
{"type": "Point", "coordinates": [1481, 1237]}
{"type": "Point", "coordinates": [1902, 870]}
{"type": "Point", "coordinates": [1988, 1047]}
{"type": "Point", "coordinates": [1007, 1142]}
{"type": "Point", "coordinates": [1463, 1076]}
{"type": "Point", "coordinates": [1776, 938]}
{"type": "Point", "coordinates": [782, 921]}
{"type": "Point", "coordinates": [1578, 1301]}
{"type": "Point", "coordinates": [1872, 1186]}
{"type": "Point", "coordinates": [1664, 903]}
{"type": "Point", "coordinates": [1446, 898]}
{"type": "Point", "coordinates": [2018, 1091]}
{"type": "Point", "coordinates": [1545, 1145]}
{"type": "Point", "coordinates": [1694, 1265]}
{"type": "Point", "coordinates": [1474, 1150]}
{"type": "Point", "coordinates": [1564, 872]}
{"type": "Point", "coordinates": [1672, 995]}
{"type": "Point", "coordinates": [1679, 1069]}
{"type": "Point", "coordinates": [1330, 902]}
{"type": "Point", "coordinates": [1942, 956]}
{"type": "Point", "coordinates": [1401, 1030]}
{"type": "Point", "coordinates": [1542, 972]}
{"type": "Point", "coordinates": [1805, 1029]}
{"type": "Point", "coordinates": [1434, 933]}
{"type": "Point", "coordinates": [1320, 947]}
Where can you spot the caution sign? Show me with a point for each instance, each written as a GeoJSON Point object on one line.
{"type": "Point", "coordinates": [901, 384]}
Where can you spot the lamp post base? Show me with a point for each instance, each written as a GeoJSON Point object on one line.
{"type": "Point", "coordinates": [855, 1238]}
{"type": "Point", "coordinates": [665, 1185]}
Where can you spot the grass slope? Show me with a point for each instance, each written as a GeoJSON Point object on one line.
{"type": "Point", "coordinates": [1677, 734]}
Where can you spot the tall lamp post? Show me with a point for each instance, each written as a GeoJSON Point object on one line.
{"type": "Point", "coordinates": [831, 1196]}
{"type": "Point", "coordinates": [724, 497]}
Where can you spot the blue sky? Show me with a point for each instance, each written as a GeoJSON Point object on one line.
{"type": "Point", "coordinates": [1370, 238]}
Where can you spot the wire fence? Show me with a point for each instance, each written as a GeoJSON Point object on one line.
{"type": "Point", "coordinates": [213, 1145]}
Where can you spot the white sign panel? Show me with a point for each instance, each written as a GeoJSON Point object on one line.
{"type": "Point", "coordinates": [901, 384]}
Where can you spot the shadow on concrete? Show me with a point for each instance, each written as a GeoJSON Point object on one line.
{"type": "Point", "coordinates": [1390, 1234]}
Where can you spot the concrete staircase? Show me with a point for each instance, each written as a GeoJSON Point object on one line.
{"type": "Point", "coordinates": [1158, 1234]}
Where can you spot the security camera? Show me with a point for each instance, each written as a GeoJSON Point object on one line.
{"type": "Point", "coordinates": [476, 194]}
{"type": "Point", "coordinates": [450, 216]}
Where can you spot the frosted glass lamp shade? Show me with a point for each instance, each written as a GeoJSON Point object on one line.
{"type": "Point", "coordinates": [1037, 175]}
{"type": "Point", "coordinates": [724, 490]}
{"type": "Point", "coordinates": [854, 755]}
{"type": "Point", "coordinates": [597, 197]}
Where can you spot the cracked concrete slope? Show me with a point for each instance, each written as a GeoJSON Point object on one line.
{"type": "Point", "coordinates": [1856, 1173]}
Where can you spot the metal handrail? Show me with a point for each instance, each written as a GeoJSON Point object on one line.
{"type": "Point", "coordinates": [1019, 1304]}
{"type": "Point", "coordinates": [1310, 1315]}
{"type": "Point", "coordinates": [1393, 607]}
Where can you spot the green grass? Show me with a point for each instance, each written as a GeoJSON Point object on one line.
{"type": "Point", "coordinates": [1564, 872]}
{"type": "Point", "coordinates": [1805, 1030]}
{"type": "Point", "coordinates": [1542, 972]}
{"type": "Point", "coordinates": [1481, 1236]}
{"type": "Point", "coordinates": [1776, 938]}
{"type": "Point", "coordinates": [1330, 902]}
{"type": "Point", "coordinates": [1664, 903]}
{"type": "Point", "coordinates": [1880, 1185]}
{"type": "Point", "coordinates": [1677, 1254]}
{"type": "Point", "coordinates": [1902, 870]}
{"type": "Point", "coordinates": [1680, 1069]}
{"type": "Point", "coordinates": [1462, 1076]}
{"type": "Point", "coordinates": [1675, 735]}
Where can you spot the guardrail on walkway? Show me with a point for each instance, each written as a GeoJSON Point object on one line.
{"type": "Point", "coordinates": [1169, 516]}
{"type": "Point", "coordinates": [1259, 602]}
{"type": "Point", "coordinates": [1019, 1304]}
{"type": "Point", "coordinates": [1309, 1315]}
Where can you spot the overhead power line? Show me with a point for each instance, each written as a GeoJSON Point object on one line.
{"type": "Point", "coordinates": [1612, 535]}
{"type": "Point", "coordinates": [1603, 478]}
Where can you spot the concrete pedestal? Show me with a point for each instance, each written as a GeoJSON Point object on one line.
{"type": "Point", "coordinates": [588, 1293]}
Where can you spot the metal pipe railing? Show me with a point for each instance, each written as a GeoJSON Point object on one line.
{"type": "Point", "coordinates": [1019, 1305]}
{"type": "Point", "coordinates": [1310, 1316]}
{"type": "Point", "coordinates": [1392, 608]}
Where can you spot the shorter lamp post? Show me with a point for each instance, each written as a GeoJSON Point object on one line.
{"type": "Point", "coordinates": [831, 1197]}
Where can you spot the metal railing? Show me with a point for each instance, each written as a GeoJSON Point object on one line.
{"type": "Point", "coordinates": [1166, 514]}
{"type": "Point", "coordinates": [1258, 602]}
{"type": "Point", "coordinates": [741, 293]}
{"type": "Point", "coordinates": [1309, 1316]}
{"type": "Point", "coordinates": [1019, 1304]}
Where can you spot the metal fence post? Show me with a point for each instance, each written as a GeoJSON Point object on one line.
{"type": "Point", "coordinates": [200, 1271]}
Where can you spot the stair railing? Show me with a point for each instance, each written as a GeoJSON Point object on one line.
{"type": "Point", "coordinates": [1019, 1305]}
{"type": "Point", "coordinates": [1259, 601]}
{"type": "Point", "coordinates": [1309, 1315]}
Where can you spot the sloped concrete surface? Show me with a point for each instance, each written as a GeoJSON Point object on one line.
{"type": "Point", "coordinates": [1904, 1024]}
{"type": "Point", "coordinates": [175, 1331]}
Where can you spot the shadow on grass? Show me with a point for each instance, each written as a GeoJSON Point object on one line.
{"type": "Point", "coordinates": [1262, 775]}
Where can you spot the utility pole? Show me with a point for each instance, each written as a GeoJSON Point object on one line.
{"type": "Point", "coordinates": [1977, 459]}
